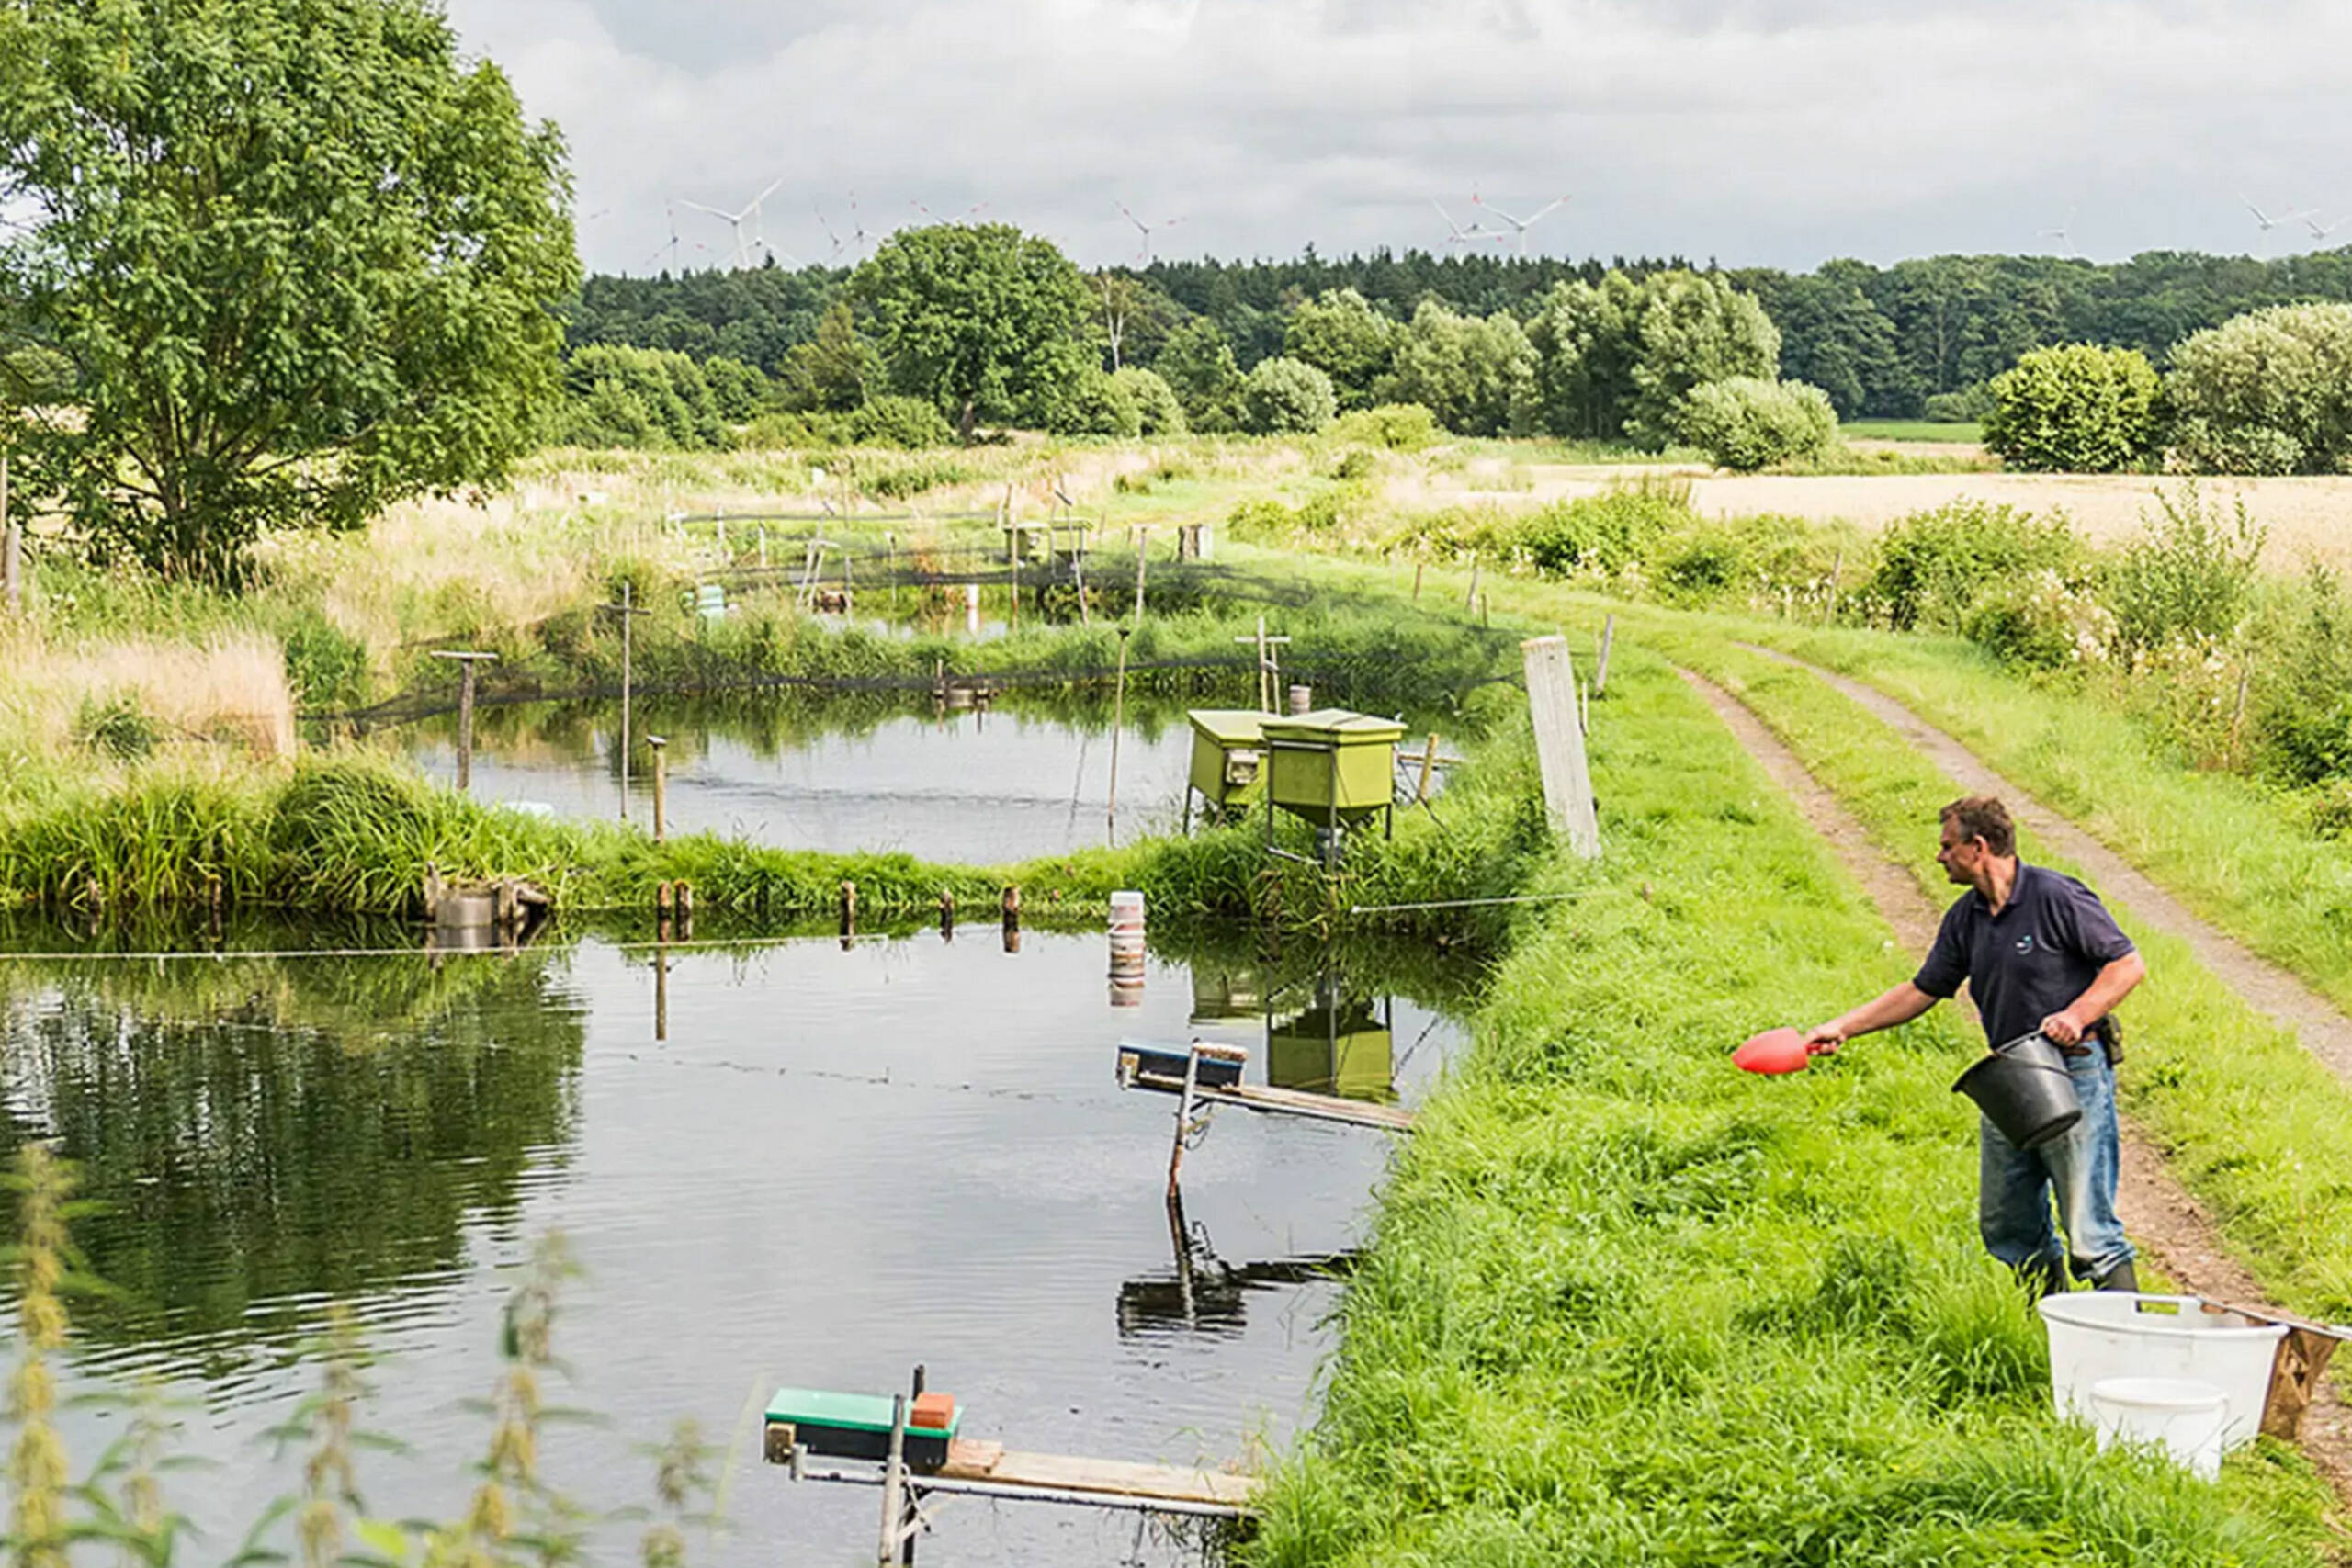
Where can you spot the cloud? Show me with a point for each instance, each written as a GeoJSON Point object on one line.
{"type": "Point", "coordinates": [1779, 131]}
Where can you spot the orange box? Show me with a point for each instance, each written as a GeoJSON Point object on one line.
{"type": "Point", "coordinates": [932, 1412]}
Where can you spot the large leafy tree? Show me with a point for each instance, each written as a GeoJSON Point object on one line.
{"type": "Point", "coordinates": [301, 259]}
{"type": "Point", "coordinates": [983, 320]}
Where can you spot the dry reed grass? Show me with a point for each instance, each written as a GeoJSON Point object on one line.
{"type": "Point", "coordinates": [230, 688]}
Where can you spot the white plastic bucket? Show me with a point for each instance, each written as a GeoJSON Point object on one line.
{"type": "Point", "coordinates": [2185, 1414]}
{"type": "Point", "coordinates": [2097, 1335]}
{"type": "Point", "coordinates": [1126, 910]}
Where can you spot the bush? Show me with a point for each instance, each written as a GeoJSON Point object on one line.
{"type": "Point", "coordinates": [1934, 566]}
{"type": "Point", "coordinates": [1970, 405]}
{"type": "Point", "coordinates": [2040, 622]}
{"type": "Point", "coordinates": [1156, 411]}
{"type": "Point", "coordinates": [1746, 423]}
{"type": "Point", "coordinates": [1395, 427]}
{"type": "Point", "coordinates": [1285, 397]}
{"type": "Point", "coordinates": [1094, 404]}
{"type": "Point", "coordinates": [1605, 533]}
{"type": "Point", "coordinates": [780, 430]}
{"type": "Point", "coordinates": [2079, 409]}
{"type": "Point", "coordinates": [892, 421]}
{"type": "Point", "coordinates": [117, 728]}
{"type": "Point", "coordinates": [620, 396]}
{"type": "Point", "coordinates": [2269, 392]}
{"type": "Point", "coordinates": [2191, 576]}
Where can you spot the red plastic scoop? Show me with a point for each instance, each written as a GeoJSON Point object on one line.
{"type": "Point", "coordinates": [1774, 1051]}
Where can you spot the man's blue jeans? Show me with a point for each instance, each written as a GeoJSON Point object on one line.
{"type": "Point", "coordinates": [2015, 1186]}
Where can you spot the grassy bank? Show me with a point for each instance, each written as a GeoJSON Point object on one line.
{"type": "Point", "coordinates": [1625, 1305]}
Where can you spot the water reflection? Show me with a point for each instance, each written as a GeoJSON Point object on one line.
{"type": "Point", "coordinates": [260, 1132]}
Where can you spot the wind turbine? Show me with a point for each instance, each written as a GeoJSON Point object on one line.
{"type": "Point", "coordinates": [2264, 219]}
{"type": "Point", "coordinates": [743, 253]}
{"type": "Point", "coordinates": [2063, 234]}
{"type": "Point", "coordinates": [1143, 257]}
{"type": "Point", "coordinates": [1520, 225]}
{"type": "Point", "coordinates": [972, 211]}
{"type": "Point", "coordinates": [1457, 235]}
{"type": "Point", "coordinates": [671, 250]}
{"type": "Point", "coordinates": [2320, 230]}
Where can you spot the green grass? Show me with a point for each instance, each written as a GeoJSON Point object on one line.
{"type": "Point", "coordinates": [1627, 1305]}
{"type": "Point", "coordinates": [1912, 430]}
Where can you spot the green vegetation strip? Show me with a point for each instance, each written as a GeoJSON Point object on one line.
{"type": "Point", "coordinates": [1625, 1305]}
{"type": "Point", "coordinates": [2250, 1123]}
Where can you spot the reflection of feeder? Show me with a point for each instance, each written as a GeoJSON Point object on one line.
{"type": "Point", "coordinates": [1204, 1294]}
{"type": "Point", "coordinates": [1219, 995]}
{"type": "Point", "coordinates": [1339, 1046]}
{"type": "Point", "coordinates": [467, 917]}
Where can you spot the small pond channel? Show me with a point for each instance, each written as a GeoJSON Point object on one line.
{"type": "Point", "coordinates": [837, 1163]}
{"type": "Point", "coordinates": [1030, 777]}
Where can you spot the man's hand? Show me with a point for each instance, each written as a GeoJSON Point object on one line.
{"type": "Point", "coordinates": [1823, 1039]}
{"type": "Point", "coordinates": [2063, 1028]}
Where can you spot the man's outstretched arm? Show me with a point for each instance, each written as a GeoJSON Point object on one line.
{"type": "Point", "coordinates": [1900, 1005]}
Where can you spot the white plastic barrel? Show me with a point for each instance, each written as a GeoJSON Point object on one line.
{"type": "Point", "coordinates": [2185, 1415]}
{"type": "Point", "coordinates": [2098, 1335]}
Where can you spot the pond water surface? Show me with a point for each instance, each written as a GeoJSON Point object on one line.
{"type": "Point", "coordinates": [837, 1163]}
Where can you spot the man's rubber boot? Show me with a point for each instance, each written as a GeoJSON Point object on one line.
{"type": "Point", "coordinates": [2120, 1278]}
{"type": "Point", "coordinates": [2042, 1277]}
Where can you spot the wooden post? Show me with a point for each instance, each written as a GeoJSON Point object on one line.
{"type": "Point", "coordinates": [629, 614]}
{"type": "Point", "coordinates": [660, 787]}
{"type": "Point", "coordinates": [661, 981]}
{"type": "Point", "coordinates": [1429, 763]}
{"type": "Point", "coordinates": [1483, 619]}
{"type": "Point", "coordinates": [12, 546]}
{"type": "Point", "coordinates": [1184, 1118]}
{"type": "Point", "coordinates": [1470, 600]}
{"type": "Point", "coordinates": [1418, 567]}
{"type": "Point", "coordinates": [685, 895]}
{"type": "Point", "coordinates": [947, 915]}
{"type": "Point", "coordinates": [894, 1480]}
{"type": "Point", "coordinates": [1265, 689]}
{"type": "Point", "coordinates": [1142, 556]}
{"type": "Point", "coordinates": [1601, 670]}
{"type": "Point", "coordinates": [1118, 721]}
{"type": "Point", "coordinates": [890, 565]}
{"type": "Point", "coordinates": [466, 662]}
{"type": "Point", "coordinates": [849, 909]}
{"type": "Point", "coordinates": [1559, 743]}
{"type": "Point", "coordinates": [1010, 908]}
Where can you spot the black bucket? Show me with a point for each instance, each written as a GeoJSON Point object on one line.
{"type": "Point", "coordinates": [2025, 1088]}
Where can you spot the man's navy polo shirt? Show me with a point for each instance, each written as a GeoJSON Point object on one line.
{"type": "Point", "coordinates": [2037, 955]}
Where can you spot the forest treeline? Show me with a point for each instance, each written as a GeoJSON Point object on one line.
{"type": "Point", "coordinates": [1916, 339]}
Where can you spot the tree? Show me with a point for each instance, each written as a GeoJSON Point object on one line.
{"type": "Point", "coordinates": [980, 318]}
{"type": "Point", "coordinates": [1342, 335]}
{"type": "Point", "coordinates": [1586, 339]}
{"type": "Point", "coordinates": [1157, 410]}
{"type": "Point", "coordinates": [1283, 397]}
{"type": "Point", "coordinates": [836, 370]}
{"type": "Point", "coordinates": [1477, 377]}
{"type": "Point", "coordinates": [1747, 423]}
{"type": "Point", "coordinates": [2268, 392]}
{"type": "Point", "coordinates": [301, 261]}
{"type": "Point", "coordinates": [639, 397]}
{"type": "Point", "coordinates": [1695, 327]}
{"type": "Point", "coordinates": [1135, 317]}
{"type": "Point", "coordinates": [2080, 409]}
{"type": "Point", "coordinates": [1198, 365]}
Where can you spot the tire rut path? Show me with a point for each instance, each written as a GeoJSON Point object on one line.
{"type": "Point", "coordinates": [2322, 1028]}
{"type": "Point", "coordinates": [2169, 1225]}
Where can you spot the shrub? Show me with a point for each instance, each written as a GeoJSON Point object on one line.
{"type": "Point", "coordinates": [779, 431]}
{"type": "Point", "coordinates": [895, 479]}
{"type": "Point", "coordinates": [2079, 409]}
{"type": "Point", "coordinates": [2040, 622]}
{"type": "Point", "coordinates": [2269, 392]}
{"type": "Point", "coordinates": [1156, 411]}
{"type": "Point", "coordinates": [1395, 427]}
{"type": "Point", "coordinates": [1095, 404]}
{"type": "Point", "coordinates": [1933, 566]}
{"type": "Point", "coordinates": [617, 395]}
{"type": "Point", "coordinates": [893, 421]}
{"type": "Point", "coordinates": [1969, 405]}
{"type": "Point", "coordinates": [1606, 533]}
{"type": "Point", "coordinates": [1746, 423]}
{"type": "Point", "coordinates": [117, 728]}
{"type": "Point", "coordinates": [1285, 397]}
{"type": "Point", "coordinates": [2192, 575]}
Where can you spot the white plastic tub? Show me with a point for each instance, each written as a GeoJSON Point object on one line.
{"type": "Point", "coordinates": [2184, 1414]}
{"type": "Point", "coordinates": [2096, 1335]}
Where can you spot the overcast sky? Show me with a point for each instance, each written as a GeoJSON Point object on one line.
{"type": "Point", "coordinates": [1755, 132]}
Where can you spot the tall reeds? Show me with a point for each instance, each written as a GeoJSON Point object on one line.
{"type": "Point", "coordinates": [38, 1479]}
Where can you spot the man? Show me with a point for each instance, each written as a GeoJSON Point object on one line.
{"type": "Point", "coordinates": [2041, 955]}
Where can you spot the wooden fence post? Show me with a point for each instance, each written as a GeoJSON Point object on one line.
{"type": "Point", "coordinates": [1559, 743]}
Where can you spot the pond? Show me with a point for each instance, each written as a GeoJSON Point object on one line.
{"type": "Point", "coordinates": [833, 1164]}
{"type": "Point", "coordinates": [944, 785]}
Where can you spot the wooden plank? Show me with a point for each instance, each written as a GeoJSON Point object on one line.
{"type": "Point", "coordinates": [1321, 1107]}
{"type": "Point", "coordinates": [1065, 1472]}
{"type": "Point", "coordinates": [1559, 743]}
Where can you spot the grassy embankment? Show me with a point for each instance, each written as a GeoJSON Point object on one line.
{"type": "Point", "coordinates": [1625, 1305]}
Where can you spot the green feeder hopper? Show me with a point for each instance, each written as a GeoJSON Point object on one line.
{"type": "Point", "coordinates": [1228, 757]}
{"type": "Point", "coordinates": [1331, 767]}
